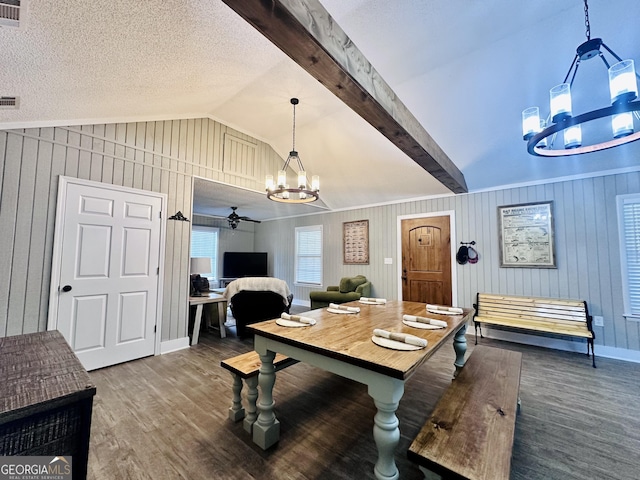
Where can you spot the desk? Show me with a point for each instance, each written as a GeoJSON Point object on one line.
{"type": "Point", "coordinates": [342, 344]}
{"type": "Point", "coordinates": [222, 313]}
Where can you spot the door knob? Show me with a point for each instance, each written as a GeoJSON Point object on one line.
{"type": "Point", "coordinates": [66, 288]}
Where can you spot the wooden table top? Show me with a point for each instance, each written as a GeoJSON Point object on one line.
{"type": "Point", "coordinates": [347, 337]}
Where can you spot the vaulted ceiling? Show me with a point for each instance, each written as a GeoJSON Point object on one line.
{"type": "Point", "coordinates": [465, 69]}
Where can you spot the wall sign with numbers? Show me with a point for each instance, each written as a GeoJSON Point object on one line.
{"type": "Point", "coordinates": [356, 242]}
{"type": "Point", "coordinates": [526, 235]}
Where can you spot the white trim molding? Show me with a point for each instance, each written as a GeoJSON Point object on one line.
{"type": "Point", "coordinates": [169, 346]}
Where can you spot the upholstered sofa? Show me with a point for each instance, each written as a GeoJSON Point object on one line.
{"type": "Point", "coordinates": [350, 289]}
{"type": "Point", "coordinates": [254, 299]}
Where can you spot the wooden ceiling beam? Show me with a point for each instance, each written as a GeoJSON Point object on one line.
{"type": "Point", "coordinates": [305, 31]}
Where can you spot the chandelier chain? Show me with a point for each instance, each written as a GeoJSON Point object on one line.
{"type": "Point", "coordinates": [587, 25]}
{"type": "Point", "coordinates": [294, 128]}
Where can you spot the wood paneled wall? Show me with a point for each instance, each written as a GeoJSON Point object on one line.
{"type": "Point", "coordinates": [160, 156]}
{"type": "Point", "coordinates": [163, 157]}
{"type": "Point", "coordinates": [587, 252]}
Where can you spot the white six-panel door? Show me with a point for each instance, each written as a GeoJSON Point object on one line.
{"type": "Point", "coordinates": [107, 289]}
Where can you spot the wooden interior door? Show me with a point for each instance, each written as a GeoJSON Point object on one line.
{"type": "Point", "coordinates": [426, 260]}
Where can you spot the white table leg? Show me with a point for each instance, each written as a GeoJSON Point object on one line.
{"type": "Point", "coordinates": [460, 347]}
{"type": "Point", "coordinates": [252, 397]}
{"type": "Point", "coordinates": [236, 412]}
{"type": "Point", "coordinates": [266, 429]}
{"type": "Point", "coordinates": [385, 426]}
{"type": "Point", "coordinates": [222, 316]}
{"type": "Point", "coordinates": [196, 325]}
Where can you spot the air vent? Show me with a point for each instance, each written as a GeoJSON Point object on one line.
{"type": "Point", "coordinates": [10, 12]}
{"type": "Point", "coordinates": [9, 103]}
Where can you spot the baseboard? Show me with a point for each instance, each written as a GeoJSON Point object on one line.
{"type": "Point", "coordinates": [558, 344]}
{"type": "Point", "coordinates": [174, 345]}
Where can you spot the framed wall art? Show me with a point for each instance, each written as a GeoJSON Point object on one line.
{"type": "Point", "coordinates": [355, 241]}
{"type": "Point", "coordinates": [526, 235]}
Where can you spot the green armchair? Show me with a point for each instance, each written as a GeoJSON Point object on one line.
{"type": "Point", "coordinates": [350, 289]}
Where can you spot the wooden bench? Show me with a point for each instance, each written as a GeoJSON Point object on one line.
{"type": "Point", "coordinates": [246, 367]}
{"type": "Point", "coordinates": [550, 315]}
{"type": "Point", "coordinates": [470, 433]}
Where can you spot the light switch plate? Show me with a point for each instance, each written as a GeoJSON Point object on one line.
{"type": "Point", "coordinates": [388, 261]}
{"type": "Point", "coordinates": [598, 321]}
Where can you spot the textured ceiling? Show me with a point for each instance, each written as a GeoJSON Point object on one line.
{"type": "Point", "coordinates": [464, 68]}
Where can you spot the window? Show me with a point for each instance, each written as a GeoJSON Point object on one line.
{"type": "Point", "coordinates": [309, 255]}
{"type": "Point", "coordinates": [10, 12]}
{"type": "Point", "coordinates": [204, 243]}
{"type": "Point", "coordinates": [629, 234]}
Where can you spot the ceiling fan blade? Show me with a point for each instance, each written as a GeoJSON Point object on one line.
{"type": "Point", "coordinates": [234, 218]}
{"type": "Point", "coordinates": [247, 219]}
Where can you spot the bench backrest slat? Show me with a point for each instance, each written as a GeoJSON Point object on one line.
{"type": "Point", "coordinates": [535, 306]}
{"type": "Point", "coordinates": [531, 315]}
{"type": "Point", "coordinates": [531, 300]}
{"type": "Point", "coordinates": [560, 311]}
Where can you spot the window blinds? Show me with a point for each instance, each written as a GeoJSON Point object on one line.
{"type": "Point", "coordinates": [629, 227]}
{"type": "Point", "coordinates": [309, 255]}
{"type": "Point", "coordinates": [204, 243]}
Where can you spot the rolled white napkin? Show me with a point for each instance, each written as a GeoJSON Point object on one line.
{"type": "Point", "coordinates": [432, 321]}
{"type": "Point", "coordinates": [298, 318]}
{"type": "Point", "coordinates": [376, 300]}
{"type": "Point", "coordinates": [444, 309]}
{"type": "Point", "coordinates": [401, 337]}
{"type": "Point", "coordinates": [344, 307]}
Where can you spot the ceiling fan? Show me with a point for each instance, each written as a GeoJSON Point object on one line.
{"type": "Point", "coordinates": [234, 219]}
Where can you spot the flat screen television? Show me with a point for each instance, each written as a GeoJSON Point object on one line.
{"type": "Point", "coordinates": [244, 264]}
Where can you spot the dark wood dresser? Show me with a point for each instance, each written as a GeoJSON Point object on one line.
{"type": "Point", "coordinates": [46, 399]}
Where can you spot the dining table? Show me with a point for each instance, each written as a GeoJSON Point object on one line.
{"type": "Point", "coordinates": [345, 344]}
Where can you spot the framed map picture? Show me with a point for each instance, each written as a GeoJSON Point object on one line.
{"type": "Point", "coordinates": [526, 235]}
{"type": "Point", "coordinates": [355, 240]}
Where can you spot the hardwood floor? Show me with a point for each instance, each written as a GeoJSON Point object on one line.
{"type": "Point", "coordinates": [165, 417]}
